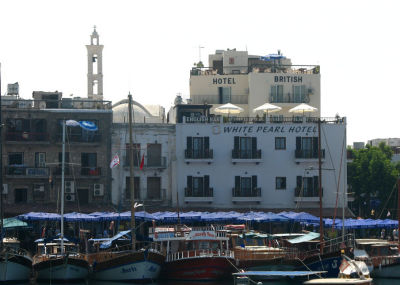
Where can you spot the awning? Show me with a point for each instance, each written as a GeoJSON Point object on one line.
{"type": "Point", "coordinates": [306, 237]}
{"type": "Point", "coordinates": [109, 242]}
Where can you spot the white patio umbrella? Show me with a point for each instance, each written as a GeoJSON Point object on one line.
{"type": "Point", "coordinates": [267, 108]}
{"type": "Point", "coordinates": [303, 108]}
{"type": "Point", "coordinates": [229, 109]}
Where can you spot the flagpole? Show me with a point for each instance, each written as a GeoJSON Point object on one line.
{"type": "Point", "coordinates": [131, 178]}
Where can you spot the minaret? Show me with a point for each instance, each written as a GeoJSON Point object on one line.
{"type": "Point", "coordinates": [95, 67]}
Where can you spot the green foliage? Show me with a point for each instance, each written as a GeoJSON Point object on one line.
{"type": "Point", "coordinates": [372, 176]}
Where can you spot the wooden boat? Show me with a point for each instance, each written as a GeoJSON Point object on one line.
{"type": "Point", "coordinates": [15, 262]}
{"type": "Point", "coordinates": [118, 262]}
{"type": "Point", "coordinates": [194, 254]}
{"type": "Point", "coordinates": [57, 264]}
{"type": "Point", "coordinates": [383, 257]}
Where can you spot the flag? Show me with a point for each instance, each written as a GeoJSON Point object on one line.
{"type": "Point", "coordinates": [388, 214]}
{"type": "Point", "coordinates": [142, 162]}
{"type": "Point", "coordinates": [114, 162]}
{"type": "Point", "coordinates": [71, 123]}
{"type": "Point", "coordinates": [344, 265]}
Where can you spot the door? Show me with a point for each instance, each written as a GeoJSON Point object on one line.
{"type": "Point", "coordinates": [153, 188]}
{"type": "Point", "coordinates": [83, 196]}
{"type": "Point", "coordinates": [153, 154]}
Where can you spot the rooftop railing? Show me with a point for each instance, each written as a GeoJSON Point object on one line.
{"type": "Point", "coordinates": [217, 119]}
{"type": "Point", "coordinates": [65, 103]}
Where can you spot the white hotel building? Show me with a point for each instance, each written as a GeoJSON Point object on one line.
{"type": "Point", "coordinates": [239, 162]}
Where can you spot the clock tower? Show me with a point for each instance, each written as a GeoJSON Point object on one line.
{"type": "Point", "coordinates": [95, 67]}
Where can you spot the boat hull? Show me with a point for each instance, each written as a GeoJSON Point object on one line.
{"type": "Point", "coordinates": [139, 266]}
{"type": "Point", "coordinates": [339, 281]}
{"type": "Point", "coordinates": [15, 268]}
{"type": "Point", "coordinates": [61, 269]}
{"type": "Point", "coordinates": [199, 269]}
{"type": "Point", "coordinates": [386, 271]}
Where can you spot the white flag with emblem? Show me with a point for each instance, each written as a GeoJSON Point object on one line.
{"type": "Point", "coordinates": [114, 161]}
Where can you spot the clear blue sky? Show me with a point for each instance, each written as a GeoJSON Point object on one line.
{"type": "Point", "coordinates": [150, 47]}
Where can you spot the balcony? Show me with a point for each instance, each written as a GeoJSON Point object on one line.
{"type": "Point", "coordinates": [82, 138]}
{"type": "Point", "coordinates": [194, 155]}
{"type": "Point", "coordinates": [67, 171]}
{"type": "Point", "coordinates": [91, 171]}
{"type": "Point", "coordinates": [196, 195]}
{"type": "Point", "coordinates": [289, 99]}
{"type": "Point", "coordinates": [27, 172]}
{"type": "Point", "coordinates": [26, 137]}
{"type": "Point", "coordinates": [246, 195]}
{"type": "Point", "coordinates": [305, 155]}
{"type": "Point", "coordinates": [158, 162]}
{"type": "Point", "coordinates": [246, 156]}
{"type": "Point", "coordinates": [307, 194]}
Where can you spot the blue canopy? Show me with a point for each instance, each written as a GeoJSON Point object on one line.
{"type": "Point", "coordinates": [79, 217]}
{"type": "Point", "coordinates": [262, 217]}
{"type": "Point", "coordinates": [300, 217]}
{"type": "Point", "coordinates": [39, 216]}
{"type": "Point", "coordinates": [109, 242]}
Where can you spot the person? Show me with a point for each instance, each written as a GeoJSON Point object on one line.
{"type": "Point", "coordinates": [383, 234]}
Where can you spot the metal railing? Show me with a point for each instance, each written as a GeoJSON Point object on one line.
{"type": "Point", "coordinates": [84, 138]}
{"type": "Point", "coordinates": [190, 192]}
{"type": "Point", "coordinates": [26, 136]}
{"type": "Point", "coordinates": [288, 98]}
{"type": "Point", "coordinates": [199, 254]}
{"type": "Point", "coordinates": [27, 171]}
{"type": "Point", "coordinates": [215, 99]}
{"type": "Point", "coordinates": [307, 192]}
{"type": "Point", "coordinates": [308, 153]}
{"type": "Point", "coordinates": [246, 192]}
{"type": "Point", "coordinates": [90, 171]}
{"type": "Point", "coordinates": [246, 154]}
{"type": "Point", "coordinates": [257, 120]}
{"type": "Point", "coordinates": [199, 154]}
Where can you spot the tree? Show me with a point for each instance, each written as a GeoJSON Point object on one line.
{"type": "Point", "coordinates": [372, 176]}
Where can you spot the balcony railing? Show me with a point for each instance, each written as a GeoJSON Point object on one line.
{"type": "Point", "coordinates": [57, 170]}
{"type": "Point", "coordinates": [246, 154]}
{"type": "Point", "coordinates": [246, 192]}
{"type": "Point", "coordinates": [307, 192]}
{"type": "Point", "coordinates": [190, 192]}
{"type": "Point", "coordinates": [160, 162]}
{"type": "Point", "coordinates": [90, 171]}
{"type": "Point", "coordinates": [308, 154]}
{"type": "Point", "coordinates": [26, 136]}
{"type": "Point", "coordinates": [215, 99]}
{"type": "Point", "coordinates": [27, 171]}
{"type": "Point", "coordinates": [289, 98]}
{"type": "Point", "coordinates": [199, 154]}
{"type": "Point", "coordinates": [86, 138]}
{"type": "Point", "coordinates": [260, 120]}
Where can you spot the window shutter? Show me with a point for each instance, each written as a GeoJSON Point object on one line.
{"type": "Point", "coordinates": [298, 143]}
{"type": "Point", "coordinates": [236, 143]}
{"type": "Point", "coordinates": [298, 181]}
{"type": "Point", "coordinates": [316, 184]}
{"type": "Point", "coordinates": [237, 182]}
{"type": "Point", "coordinates": [189, 143]}
{"type": "Point", "coordinates": [189, 182]}
{"type": "Point", "coordinates": [283, 183]}
{"type": "Point", "coordinates": [254, 182]}
{"type": "Point", "coordinates": [206, 182]}
{"type": "Point", "coordinates": [206, 143]}
{"type": "Point", "coordinates": [254, 147]}
{"type": "Point", "coordinates": [315, 147]}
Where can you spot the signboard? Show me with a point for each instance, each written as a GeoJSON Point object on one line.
{"type": "Point", "coordinates": [202, 235]}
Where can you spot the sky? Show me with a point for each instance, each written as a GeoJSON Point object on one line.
{"type": "Point", "coordinates": [150, 47]}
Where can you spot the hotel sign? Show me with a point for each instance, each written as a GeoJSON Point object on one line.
{"type": "Point", "coordinates": [263, 129]}
{"type": "Point", "coordinates": [288, 79]}
{"type": "Point", "coordinates": [224, 80]}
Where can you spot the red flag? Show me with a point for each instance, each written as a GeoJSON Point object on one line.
{"type": "Point", "coordinates": [142, 162]}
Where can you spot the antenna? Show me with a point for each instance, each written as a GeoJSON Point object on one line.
{"type": "Point", "coordinates": [200, 47]}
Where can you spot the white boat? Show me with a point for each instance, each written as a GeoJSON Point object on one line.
{"type": "Point", "coordinates": [15, 263]}
{"type": "Point", "coordinates": [351, 272]}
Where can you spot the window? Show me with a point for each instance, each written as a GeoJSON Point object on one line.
{"type": "Point", "coordinates": [40, 159]}
{"type": "Point", "coordinates": [224, 94]}
{"type": "Point", "coordinates": [231, 60]}
{"type": "Point", "coordinates": [280, 143]}
{"type": "Point", "coordinates": [246, 187]}
{"type": "Point", "coordinates": [198, 186]}
{"type": "Point", "coordinates": [197, 147]}
{"type": "Point", "coordinates": [280, 183]}
{"type": "Point", "coordinates": [15, 158]}
{"type": "Point", "coordinates": [276, 94]}
{"type": "Point", "coordinates": [89, 164]}
{"type": "Point", "coordinates": [136, 185]}
{"type": "Point", "coordinates": [245, 148]}
{"type": "Point", "coordinates": [299, 93]}
{"type": "Point", "coordinates": [136, 154]}
{"type": "Point", "coordinates": [307, 186]}
{"type": "Point", "coordinates": [307, 147]}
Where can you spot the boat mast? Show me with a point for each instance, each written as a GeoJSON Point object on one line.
{"type": "Point", "coordinates": [398, 212]}
{"type": "Point", "coordinates": [1, 167]}
{"type": "Point", "coordinates": [62, 186]}
{"type": "Point", "coordinates": [321, 225]}
{"type": "Point", "coordinates": [131, 178]}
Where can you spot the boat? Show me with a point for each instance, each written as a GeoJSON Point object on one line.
{"type": "Point", "coordinates": [350, 272]}
{"type": "Point", "coordinates": [194, 253]}
{"type": "Point", "coordinates": [130, 261]}
{"type": "Point", "coordinates": [57, 260]}
{"type": "Point", "coordinates": [382, 256]}
{"type": "Point", "coordinates": [15, 262]}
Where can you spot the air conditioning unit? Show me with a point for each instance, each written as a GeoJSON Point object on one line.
{"type": "Point", "coordinates": [38, 187]}
{"type": "Point", "coordinates": [69, 187]}
{"type": "Point", "coordinates": [5, 189]}
{"type": "Point", "coordinates": [98, 190]}
{"type": "Point", "coordinates": [69, 197]}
